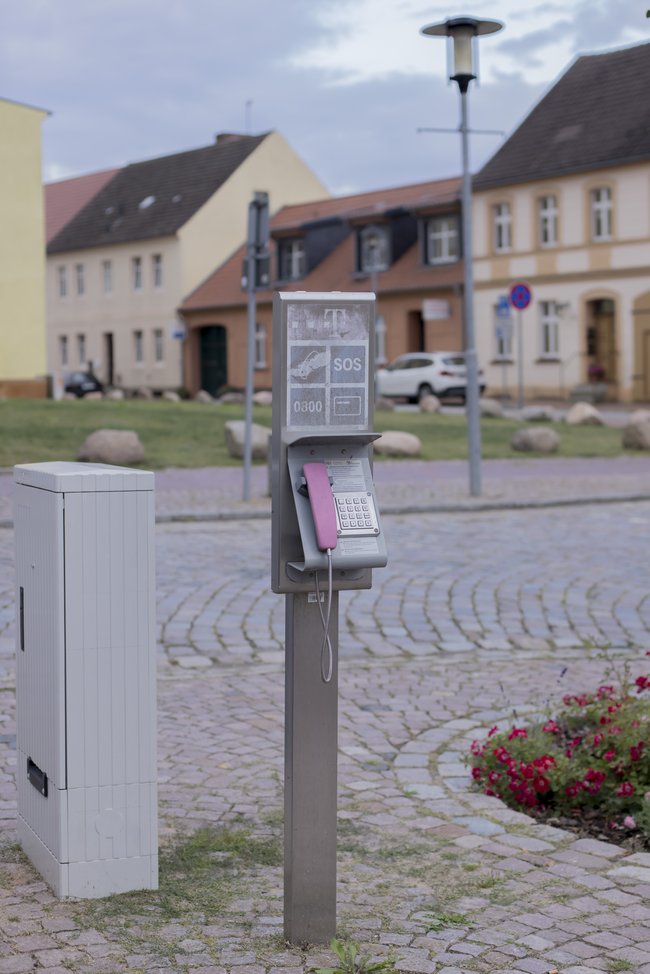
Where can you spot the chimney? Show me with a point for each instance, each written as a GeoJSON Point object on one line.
{"type": "Point", "coordinates": [223, 138]}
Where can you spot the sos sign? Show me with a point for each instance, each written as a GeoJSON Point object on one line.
{"type": "Point", "coordinates": [348, 363]}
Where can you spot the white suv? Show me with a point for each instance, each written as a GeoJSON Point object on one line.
{"type": "Point", "coordinates": [419, 374]}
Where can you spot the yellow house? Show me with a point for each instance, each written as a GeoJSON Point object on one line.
{"type": "Point", "coordinates": [22, 246]}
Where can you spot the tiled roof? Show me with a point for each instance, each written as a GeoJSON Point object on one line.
{"type": "Point", "coordinates": [156, 197]}
{"type": "Point", "coordinates": [364, 205]}
{"type": "Point", "coordinates": [596, 115]}
{"type": "Point", "coordinates": [336, 272]}
{"type": "Point", "coordinates": [66, 197]}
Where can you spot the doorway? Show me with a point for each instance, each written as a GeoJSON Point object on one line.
{"type": "Point", "coordinates": [214, 358]}
{"type": "Point", "coordinates": [415, 332]}
{"type": "Point", "coordinates": [602, 354]}
{"type": "Point", "coordinates": [641, 376]}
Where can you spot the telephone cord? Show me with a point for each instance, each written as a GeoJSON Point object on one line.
{"type": "Point", "coordinates": [326, 645]}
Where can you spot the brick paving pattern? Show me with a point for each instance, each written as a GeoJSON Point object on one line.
{"type": "Point", "coordinates": [480, 615]}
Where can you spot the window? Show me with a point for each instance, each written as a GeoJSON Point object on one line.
{"type": "Point", "coordinates": [502, 218]}
{"type": "Point", "coordinates": [292, 260]}
{"type": "Point", "coordinates": [62, 273]}
{"type": "Point", "coordinates": [601, 213]}
{"type": "Point", "coordinates": [80, 278]}
{"type": "Point", "coordinates": [81, 349]}
{"type": "Point", "coordinates": [156, 267]}
{"type": "Point", "coordinates": [107, 274]}
{"type": "Point", "coordinates": [380, 340]}
{"type": "Point", "coordinates": [136, 271]}
{"type": "Point", "coordinates": [63, 349]}
{"type": "Point", "coordinates": [550, 333]}
{"type": "Point", "coordinates": [138, 350]}
{"type": "Point", "coordinates": [548, 221]}
{"type": "Point", "coordinates": [260, 346]}
{"type": "Point", "coordinates": [158, 345]}
{"type": "Point", "coordinates": [442, 240]}
{"type": "Point", "coordinates": [373, 249]}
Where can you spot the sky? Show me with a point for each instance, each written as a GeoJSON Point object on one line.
{"type": "Point", "coordinates": [346, 82]}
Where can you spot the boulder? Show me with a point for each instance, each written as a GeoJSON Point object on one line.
{"type": "Point", "coordinates": [143, 392]}
{"type": "Point", "coordinates": [636, 436]}
{"type": "Point", "coordinates": [538, 414]}
{"type": "Point", "coordinates": [170, 396]}
{"type": "Point", "coordinates": [584, 414]}
{"type": "Point", "coordinates": [395, 443]}
{"type": "Point", "coordinates": [386, 404]}
{"type": "Point", "coordinates": [203, 396]}
{"type": "Point", "coordinates": [429, 404]}
{"type": "Point", "coordinates": [232, 397]}
{"type": "Point", "coordinates": [639, 415]}
{"type": "Point", "coordinates": [535, 439]}
{"type": "Point", "coordinates": [235, 432]}
{"type": "Point", "coordinates": [263, 398]}
{"type": "Point", "coordinates": [120, 447]}
{"type": "Point", "coordinates": [491, 408]}
{"type": "Point", "coordinates": [115, 394]}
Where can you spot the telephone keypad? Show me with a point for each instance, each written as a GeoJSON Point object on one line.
{"type": "Point", "coordinates": [356, 515]}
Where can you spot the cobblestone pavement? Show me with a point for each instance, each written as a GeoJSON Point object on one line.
{"type": "Point", "coordinates": [478, 616]}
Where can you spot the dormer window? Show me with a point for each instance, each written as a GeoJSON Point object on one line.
{"type": "Point", "coordinates": [373, 250]}
{"type": "Point", "coordinates": [291, 259]}
{"type": "Point", "coordinates": [442, 245]}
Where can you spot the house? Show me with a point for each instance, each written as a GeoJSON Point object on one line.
{"type": "Point", "coordinates": [22, 267]}
{"type": "Point", "coordinates": [402, 243]}
{"type": "Point", "coordinates": [65, 197]}
{"type": "Point", "coordinates": [564, 206]}
{"type": "Point", "coordinates": [119, 268]}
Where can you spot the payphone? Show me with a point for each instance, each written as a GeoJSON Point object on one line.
{"type": "Point", "coordinates": [326, 537]}
{"type": "Point", "coordinates": [323, 373]}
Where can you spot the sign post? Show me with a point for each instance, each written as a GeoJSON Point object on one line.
{"type": "Point", "coordinates": [520, 297]}
{"type": "Point", "coordinates": [503, 333]}
{"type": "Point", "coordinates": [256, 276]}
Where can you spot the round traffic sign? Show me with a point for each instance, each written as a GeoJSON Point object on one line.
{"type": "Point", "coordinates": [520, 296]}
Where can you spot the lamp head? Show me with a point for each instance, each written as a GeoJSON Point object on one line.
{"type": "Point", "coordinates": [462, 31]}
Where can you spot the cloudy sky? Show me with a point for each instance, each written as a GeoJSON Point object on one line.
{"type": "Point", "coordinates": [347, 82]}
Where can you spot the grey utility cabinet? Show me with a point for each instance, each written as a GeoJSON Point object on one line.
{"type": "Point", "coordinates": [86, 698]}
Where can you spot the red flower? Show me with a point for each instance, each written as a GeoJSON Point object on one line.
{"type": "Point", "coordinates": [517, 732]}
{"type": "Point", "coordinates": [488, 791]}
{"type": "Point", "coordinates": [493, 777]}
{"type": "Point", "coordinates": [492, 730]}
{"type": "Point", "coordinates": [625, 789]}
{"type": "Point", "coordinates": [572, 790]}
{"type": "Point", "coordinates": [476, 774]}
{"type": "Point", "coordinates": [635, 752]}
{"type": "Point", "coordinates": [598, 739]}
{"type": "Point", "coordinates": [609, 755]}
{"type": "Point", "coordinates": [541, 784]}
{"type": "Point", "coordinates": [642, 682]}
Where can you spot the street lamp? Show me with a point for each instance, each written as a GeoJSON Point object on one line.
{"type": "Point", "coordinates": [463, 31]}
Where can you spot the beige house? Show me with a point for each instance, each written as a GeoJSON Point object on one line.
{"type": "Point", "coordinates": [564, 207]}
{"type": "Point", "coordinates": [120, 268]}
{"type": "Point", "coordinates": [22, 267]}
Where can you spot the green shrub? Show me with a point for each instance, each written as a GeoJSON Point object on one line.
{"type": "Point", "coordinates": [591, 760]}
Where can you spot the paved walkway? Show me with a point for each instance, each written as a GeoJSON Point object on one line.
{"type": "Point", "coordinates": [480, 615]}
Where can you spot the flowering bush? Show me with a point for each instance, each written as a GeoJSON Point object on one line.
{"type": "Point", "coordinates": [591, 761]}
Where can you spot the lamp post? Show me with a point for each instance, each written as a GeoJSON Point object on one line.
{"type": "Point", "coordinates": [463, 31]}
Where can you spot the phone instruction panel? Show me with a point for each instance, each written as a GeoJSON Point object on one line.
{"type": "Point", "coordinates": [327, 366]}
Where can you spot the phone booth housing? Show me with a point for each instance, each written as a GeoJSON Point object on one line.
{"type": "Point", "coordinates": [323, 362]}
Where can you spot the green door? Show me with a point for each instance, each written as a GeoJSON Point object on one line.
{"type": "Point", "coordinates": [214, 361]}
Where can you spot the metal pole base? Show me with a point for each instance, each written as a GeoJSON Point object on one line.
{"type": "Point", "coordinates": [310, 777]}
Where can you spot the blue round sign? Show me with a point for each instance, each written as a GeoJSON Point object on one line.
{"type": "Point", "coordinates": [520, 296]}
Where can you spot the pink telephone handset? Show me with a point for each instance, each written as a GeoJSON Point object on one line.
{"type": "Point", "coordinates": [322, 504]}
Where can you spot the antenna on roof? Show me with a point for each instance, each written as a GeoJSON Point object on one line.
{"type": "Point", "coordinates": [248, 114]}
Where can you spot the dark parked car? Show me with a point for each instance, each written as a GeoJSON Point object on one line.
{"type": "Point", "coordinates": [81, 383]}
